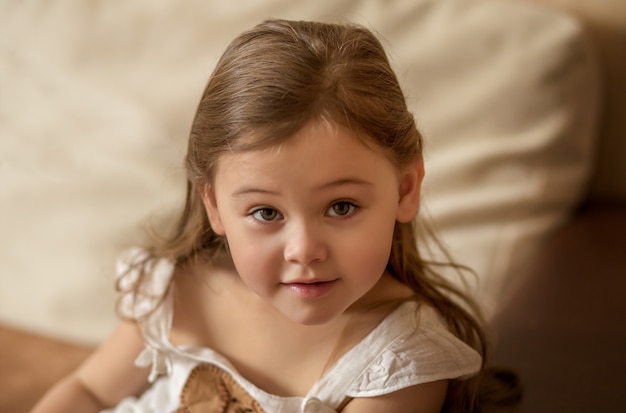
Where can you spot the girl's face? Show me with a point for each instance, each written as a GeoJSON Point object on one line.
{"type": "Point", "coordinates": [309, 224]}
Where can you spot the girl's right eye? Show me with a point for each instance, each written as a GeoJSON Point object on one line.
{"type": "Point", "coordinates": [266, 214]}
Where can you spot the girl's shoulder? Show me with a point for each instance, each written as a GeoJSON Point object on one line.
{"type": "Point", "coordinates": [412, 346]}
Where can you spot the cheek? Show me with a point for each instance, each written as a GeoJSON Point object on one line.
{"type": "Point", "coordinates": [252, 256]}
{"type": "Point", "coordinates": [377, 251]}
{"type": "Point", "coordinates": [369, 252]}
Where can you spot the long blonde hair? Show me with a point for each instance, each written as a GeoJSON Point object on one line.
{"type": "Point", "coordinates": [267, 85]}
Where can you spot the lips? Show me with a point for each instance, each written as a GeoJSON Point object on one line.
{"type": "Point", "coordinates": [311, 289]}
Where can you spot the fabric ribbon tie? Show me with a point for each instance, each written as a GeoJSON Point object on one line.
{"type": "Point", "coordinates": [160, 362]}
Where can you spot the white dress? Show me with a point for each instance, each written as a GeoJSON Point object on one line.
{"type": "Point", "coordinates": [410, 346]}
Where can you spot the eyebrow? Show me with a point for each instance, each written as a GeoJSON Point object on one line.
{"type": "Point", "coordinates": [251, 190]}
{"type": "Point", "coordinates": [339, 182]}
{"type": "Point", "coordinates": [345, 181]}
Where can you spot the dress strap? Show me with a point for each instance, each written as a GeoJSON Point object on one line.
{"type": "Point", "coordinates": [147, 298]}
{"type": "Point", "coordinates": [334, 386]}
{"type": "Point", "coordinates": [411, 346]}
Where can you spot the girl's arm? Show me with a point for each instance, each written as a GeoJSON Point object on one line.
{"type": "Point", "coordinates": [422, 398]}
{"type": "Point", "coordinates": [105, 378]}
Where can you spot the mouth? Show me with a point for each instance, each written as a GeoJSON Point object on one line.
{"type": "Point", "coordinates": [311, 289]}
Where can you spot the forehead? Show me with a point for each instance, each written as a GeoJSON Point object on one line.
{"type": "Point", "coordinates": [323, 148]}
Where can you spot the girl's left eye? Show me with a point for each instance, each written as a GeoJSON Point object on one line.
{"type": "Point", "coordinates": [341, 209]}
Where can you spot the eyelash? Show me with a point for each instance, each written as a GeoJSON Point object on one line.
{"type": "Point", "coordinates": [352, 208]}
{"type": "Point", "coordinates": [351, 205]}
{"type": "Point", "coordinates": [257, 211]}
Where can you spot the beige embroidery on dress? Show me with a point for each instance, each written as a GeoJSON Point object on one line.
{"type": "Point", "coordinates": [210, 389]}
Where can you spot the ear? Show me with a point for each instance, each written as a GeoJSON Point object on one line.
{"type": "Point", "coordinates": [210, 205]}
{"type": "Point", "coordinates": [410, 190]}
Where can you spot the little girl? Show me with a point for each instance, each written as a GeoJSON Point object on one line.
{"type": "Point", "coordinates": [292, 281]}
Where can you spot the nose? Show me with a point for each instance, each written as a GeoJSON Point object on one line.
{"type": "Point", "coordinates": [305, 244]}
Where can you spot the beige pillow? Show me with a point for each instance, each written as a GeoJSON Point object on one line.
{"type": "Point", "coordinates": [507, 95]}
{"type": "Point", "coordinates": [606, 23]}
{"type": "Point", "coordinates": [80, 169]}
{"type": "Point", "coordinates": [97, 99]}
